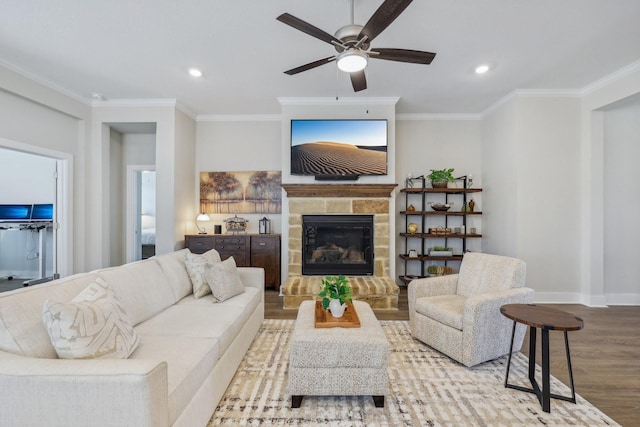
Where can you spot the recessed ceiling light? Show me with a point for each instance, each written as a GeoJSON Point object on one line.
{"type": "Point", "coordinates": [195, 72]}
{"type": "Point", "coordinates": [481, 69]}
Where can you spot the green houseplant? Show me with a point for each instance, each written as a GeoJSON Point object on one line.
{"type": "Point", "coordinates": [441, 177]}
{"type": "Point", "coordinates": [335, 293]}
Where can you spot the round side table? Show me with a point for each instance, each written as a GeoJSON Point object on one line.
{"type": "Point", "coordinates": [547, 319]}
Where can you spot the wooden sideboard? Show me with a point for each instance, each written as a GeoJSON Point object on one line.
{"type": "Point", "coordinates": [248, 250]}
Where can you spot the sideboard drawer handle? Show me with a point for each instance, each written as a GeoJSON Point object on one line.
{"type": "Point", "coordinates": [263, 244]}
{"type": "Point", "coordinates": [199, 244]}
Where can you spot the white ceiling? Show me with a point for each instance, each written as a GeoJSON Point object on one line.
{"type": "Point", "coordinates": [124, 49]}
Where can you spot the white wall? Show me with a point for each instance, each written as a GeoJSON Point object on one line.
{"type": "Point", "coordinates": [531, 176]}
{"type": "Point", "coordinates": [437, 143]}
{"type": "Point", "coordinates": [548, 200]}
{"type": "Point", "coordinates": [237, 145]}
{"type": "Point", "coordinates": [596, 99]}
{"type": "Point", "coordinates": [500, 180]}
{"type": "Point", "coordinates": [117, 191]}
{"type": "Point", "coordinates": [184, 195]}
{"type": "Point", "coordinates": [621, 199]}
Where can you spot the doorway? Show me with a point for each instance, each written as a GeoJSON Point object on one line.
{"type": "Point", "coordinates": [35, 249]}
{"type": "Point", "coordinates": [141, 212]}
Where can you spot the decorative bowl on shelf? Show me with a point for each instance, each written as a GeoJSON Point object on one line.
{"type": "Point", "coordinates": [441, 207]}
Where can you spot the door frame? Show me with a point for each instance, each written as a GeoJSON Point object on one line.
{"type": "Point", "coordinates": [63, 208]}
{"type": "Point", "coordinates": [133, 240]}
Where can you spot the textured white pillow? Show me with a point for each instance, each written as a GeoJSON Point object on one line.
{"type": "Point", "coordinates": [223, 279]}
{"type": "Point", "coordinates": [195, 267]}
{"type": "Point", "coordinates": [93, 325]}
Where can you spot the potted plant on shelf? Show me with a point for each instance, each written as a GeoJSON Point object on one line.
{"type": "Point", "coordinates": [440, 178]}
{"type": "Point", "coordinates": [335, 294]}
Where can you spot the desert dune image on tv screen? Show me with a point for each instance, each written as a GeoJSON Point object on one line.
{"type": "Point", "coordinates": [339, 147]}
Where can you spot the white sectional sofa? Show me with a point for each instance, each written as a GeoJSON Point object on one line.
{"type": "Point", "coordinates": [188, 352]}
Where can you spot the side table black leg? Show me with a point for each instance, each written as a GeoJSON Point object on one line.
{"type": "Point", "coordinates": [513, 334]}
{"type": "Point", "coordinates": [566, 347]}
{"type": "Point", "coordinates": [296, 401]}
{"type": "Point", "coordinates": [546, 387]}
{"type": "Point", "coordinates": [378, 401]}
{"type": "Point", "coordinates": [532, 353]}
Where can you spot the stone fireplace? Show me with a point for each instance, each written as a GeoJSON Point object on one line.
{"type": "Point", "coordinates": [345, 200]}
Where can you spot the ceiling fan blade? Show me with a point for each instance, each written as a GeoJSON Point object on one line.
{"type": "Point", "coordinates": [383, 17]}
{"type": "Point", "coordinates": [305, 27]}
{"type": "Point", "coordinates": [359, 81]}
{"type": "Point", "coordinates": [403, 55]}
{"type": "Point", "coordinates": [310, 65]}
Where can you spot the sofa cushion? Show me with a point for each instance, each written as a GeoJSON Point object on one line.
{"type": "Point", "coordinates": [21, 328]}
{"type": "Point", "coordinates": [142, 287]}
{"type": "Point", "coordinates": [223, 279]}
{"type": "Point", "coordinates": [195, 267]}
{"type": "Point", "coordinates": [173, 266]}
{"type": "Point", "coordinates": [220, 321]}
{"type": "Point", "coordinates": [189, 362]}
{"type": "Point", "coordinates": [446, 309]}
{"type": "Point", "coordinates": [94, 325]}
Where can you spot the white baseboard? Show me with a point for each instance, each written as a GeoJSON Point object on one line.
{"type": "Point", "coordinates": [602, 300]}
{"type": "Point", "coordinates": [623, 299]}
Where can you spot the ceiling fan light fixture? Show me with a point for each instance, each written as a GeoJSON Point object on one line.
{"type": "Point", "coordinates": [352, 60]}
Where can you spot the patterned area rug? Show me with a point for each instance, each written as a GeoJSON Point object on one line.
{"type": "Point", "coordinates": [426, 388]}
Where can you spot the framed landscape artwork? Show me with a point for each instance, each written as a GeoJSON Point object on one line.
{"type": "Point", "coordinates": [257, 192]}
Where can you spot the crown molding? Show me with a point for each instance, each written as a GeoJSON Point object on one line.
{"type": "Point", "coordinates": [431, 116]}
{"type": "Point", "coordinates": [239, 118]}
{"type": "Point", "coordinates": [135, 103]}
{"type": "Point", "coordinates": [391, 100]}
{"type": "Point", "coordinates": [611, 78]}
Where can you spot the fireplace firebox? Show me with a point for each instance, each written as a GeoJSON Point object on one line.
{"type": "Point", "coordinates": [337, 244]}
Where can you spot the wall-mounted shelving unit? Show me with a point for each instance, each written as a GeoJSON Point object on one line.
{"type": "Point", "coordinates": [426, 218]}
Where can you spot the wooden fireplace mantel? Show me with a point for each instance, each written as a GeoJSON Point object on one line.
{"type": "Point", "coordinates": [339, 190]}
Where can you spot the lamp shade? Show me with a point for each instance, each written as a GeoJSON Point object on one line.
{"type": "Point", "coordinates": [202, 217]}
{"type": "Point", "coordinates": [352, 60]}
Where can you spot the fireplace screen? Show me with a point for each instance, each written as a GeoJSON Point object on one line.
{"type": "Point", "coordinates": [337, 244]}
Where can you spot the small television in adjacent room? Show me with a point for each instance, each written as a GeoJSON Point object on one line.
{"type": "Point", "coordinates": [339, 148]}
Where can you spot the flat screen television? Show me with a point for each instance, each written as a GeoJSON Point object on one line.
{"type": "Point", "coordinates": [339, 148]}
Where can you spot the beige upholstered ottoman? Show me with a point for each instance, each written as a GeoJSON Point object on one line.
{"type": "Point", "coordinates": [338, 361]}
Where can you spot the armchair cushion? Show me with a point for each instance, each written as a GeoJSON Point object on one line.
{"type": "Point", "coordinates": [446, 309]}
{"type": "Point", "coordinates": [481, 273]}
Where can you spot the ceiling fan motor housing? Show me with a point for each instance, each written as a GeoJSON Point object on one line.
{"type": "Point", "coordinates": [349, 37]}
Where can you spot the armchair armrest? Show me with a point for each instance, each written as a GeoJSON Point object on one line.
{"type": "Point", "coordinates": [485, 329]}
{"type": "Point", "coordinates": [430, 287]}
{"type": "Point", "coordinates": [96, 392]}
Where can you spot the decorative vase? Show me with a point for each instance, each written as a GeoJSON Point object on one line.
{"type": "Point", "coordinates": [472, 204]}
{"type": "Point", "coordinates": [412, 227]}
{"type": "Point", "coordinates": [337, 309]}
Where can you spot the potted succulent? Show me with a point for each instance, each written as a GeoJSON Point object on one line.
{"type": "Point", "coordinates": [440, 178]}
{"type": "Point", "coordinates": [335, 294]}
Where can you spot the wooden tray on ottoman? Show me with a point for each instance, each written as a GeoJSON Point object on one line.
{"type": "Point", "coordinates": [324, 319]}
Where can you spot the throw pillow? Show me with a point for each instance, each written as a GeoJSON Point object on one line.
{"type": "Point", "coordinates": [93, 325]}
{"type": "Point", "coordinates": [195, 267]}
{"type": "Point", "coordinates": [223, 279]}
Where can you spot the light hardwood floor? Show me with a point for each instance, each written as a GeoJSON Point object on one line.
{"type": "Point", "coordinates": [605, 355]}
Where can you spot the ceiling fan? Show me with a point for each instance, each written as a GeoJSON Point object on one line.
{"type": "Point", "coordinates": [353, 43]}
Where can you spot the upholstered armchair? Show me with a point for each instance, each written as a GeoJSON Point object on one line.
{"type": "Point", "coordinates": [459, 314]}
